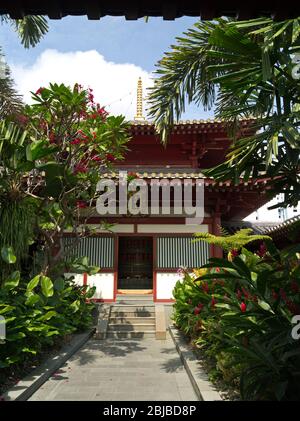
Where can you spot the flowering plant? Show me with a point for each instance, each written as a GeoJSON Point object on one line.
{"type": "Point", "coordinates": [239, 308]}
{"type": "Point", "coordinates": [69, 139]}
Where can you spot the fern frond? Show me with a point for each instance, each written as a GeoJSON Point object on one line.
{"type": "Point", "coordinates": [228, 242]}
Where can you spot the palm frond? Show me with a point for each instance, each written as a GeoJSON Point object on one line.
{"type": "Point", "coordinates": [10, 100]}
{"type": "Point", "coordinates": [30, 29]}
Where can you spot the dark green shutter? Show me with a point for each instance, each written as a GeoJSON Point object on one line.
{"type": "Point", "coordinates": [99, 250]}
{"type": "Point", "coordinates": [173, 252]}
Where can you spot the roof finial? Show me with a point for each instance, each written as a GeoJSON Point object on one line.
{"type": "Point", "coordinates": [139, 101]}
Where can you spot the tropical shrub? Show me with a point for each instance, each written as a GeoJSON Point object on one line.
{"type": "Point", "coordinates": [39, 310]}
{"type": "Point", "coordinates": [240, 312]}
{"type": "Point", "coordinates": [51, 158]}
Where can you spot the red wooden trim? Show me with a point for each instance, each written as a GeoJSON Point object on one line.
{"type": "Point", "coordinates": [166, 220]}
{"type": "Point", "coordinates": [71, 234]}
{"type": "Point", "coordinates": [116, 266]}
{"type": "Point", "coordinates": [85, 277]}
{"type": "Point", "coordinates": [165, 300]}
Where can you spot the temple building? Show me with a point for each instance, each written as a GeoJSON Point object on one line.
{"type": "Point", "coordinates": [143, 250]}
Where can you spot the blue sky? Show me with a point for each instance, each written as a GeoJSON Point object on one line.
{"type": "Point", "coordinates": [117, 40]}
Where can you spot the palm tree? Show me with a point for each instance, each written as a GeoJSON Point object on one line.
{"type": "Point", "coordinates": [10, 100]}
{"type": "Point", "coordinates": [243, 69]}
{"type": "Point", "coordinates": [30, 29]}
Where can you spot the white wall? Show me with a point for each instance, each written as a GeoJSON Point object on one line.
{"type": "Point", "coordinates": [171, 228]}
{"type": "Point", "coordinates": [78, 278]}
{"type": "Point", "coordinates": [104, 283]}
{"type": "Point", "coordinates": [165, 282]}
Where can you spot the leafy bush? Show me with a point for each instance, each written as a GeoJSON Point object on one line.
{"type": "Point", "coordinates": [38, 311]}
{"type": "Point", "coordinates": [240, 313]}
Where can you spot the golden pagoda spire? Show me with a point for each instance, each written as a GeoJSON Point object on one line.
{"type": "Point", "coordinates": [139, 102]}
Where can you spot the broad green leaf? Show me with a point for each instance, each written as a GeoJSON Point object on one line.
{"type": "Point", "coordinates": [75, 306]}
{"type": "Point", "coordinates": [13, 280]}
{"type": "Point", "coordinates": [6, 308]}
{"type": "Point", "coordinates": [32, 299]}
{"type": "Point", "coordinates": [47, 286]}
{"type": "Point", "coordinates": [33, 283]}
{"type": "Point", "coordinates": [59, 284]}
{"type": "Point", "coordinates": [265, 306]}
{"type": "Point", "coordinates": [48, 316]}
{"type": "Point", "coordinates": [8, 255]}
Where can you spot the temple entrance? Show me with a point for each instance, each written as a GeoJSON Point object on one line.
{"type": "Point", "coordinates": [135, 271]}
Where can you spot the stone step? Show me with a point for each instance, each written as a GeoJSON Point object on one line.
{"type": "Point", "coordinates": [133, 306]}
{"type": "Point", "coordinates": [132, 320]}
{"type": "Point", "coordinates": [130, 334]}
{"type": "Point", "coordinates": [145, 297]}
{"type": "Point", "coordinates": [133, 310]}
{"type": "Point", "coordinates": [138, 327]}
{"type": "Point", "coordinates": [137, 302]}
{"type": "Point", "coordinates": [132, 314]}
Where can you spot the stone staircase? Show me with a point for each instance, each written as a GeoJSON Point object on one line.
{"type": "Point", "coordinates": [132, 316]}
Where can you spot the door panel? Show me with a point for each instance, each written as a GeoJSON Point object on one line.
{"type": "Point", "coordinates": [135, 263]}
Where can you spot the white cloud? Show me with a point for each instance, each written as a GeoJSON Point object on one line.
{"type": "Point", "coordinates": [110, 81]}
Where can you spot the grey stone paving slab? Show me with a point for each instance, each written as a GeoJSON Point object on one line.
{"type": "Point", "coordinates": [121, 369]}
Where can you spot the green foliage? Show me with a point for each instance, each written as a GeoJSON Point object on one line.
{"type": "Point", "coordinates": [50, 162]}
{"type": "Point", "coordinates": [228, 242]}
{"type": "Point", "coordinates": [37, 312]}
{"type": "Point", "coordinates": [30, 29]}
{"type": "Point", "coordinates": [244, 70]}
{"type": "Point", "coordinates": [10, 100]}
{"type": "Point", "coordinates": [239, 313]}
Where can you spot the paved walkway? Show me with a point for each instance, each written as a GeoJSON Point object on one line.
{"type": "Point", "coordinates": [123, 369]}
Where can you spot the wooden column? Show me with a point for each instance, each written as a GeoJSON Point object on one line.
{"type": "Point", "coordinates": [216, 224]}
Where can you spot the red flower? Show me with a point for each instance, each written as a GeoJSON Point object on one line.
{"type": "Point", "coordinates": [52, 137]}
{"type": "Point", "coordinates": [76, 141]}
{"type": "Point", "coordinates": [39, 91]}
{"type": "Point", "coordinates": [218, 269]}
{"type": "Point", "coordinates": [294, 287]}
{"type": "Point", "coordinates": [96, 158]}
{"type": "Point", "coordinates": [205, 287]}
{"type": "Point", "coordinates": [22, 119]}
{"type": "Point", "coordinates": [79, 168]}
{"type": "Point", "coordinates": [243, 307]}
{"type": "Point", "coordinates": [81, 204]}
{"type": "Point", "coordinates": [110, 157]}
{"type": "Point", "coordinates": [246, 293]}
{"type": "Point", "coordinates": [283, 294]}
{"type": "Point", "coordinates": [234, 252]}
{"type": "Point", "coordinates": [101, 111]}
{"type": "Point", "coordinates": [275, 295]}
{"type": "Point", "coordinates": [200, 306]}
{"type": "Point", "coordinates": [262, 250]}
{"type": "Point", "coordinates": [197, 310]}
